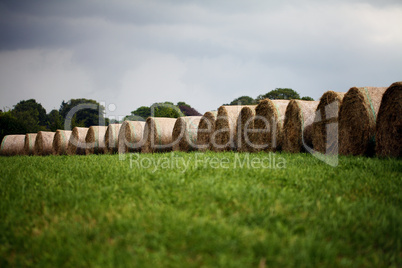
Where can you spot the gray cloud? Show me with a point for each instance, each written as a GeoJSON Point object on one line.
{"type": "Point", "coordinates": [133, 53]}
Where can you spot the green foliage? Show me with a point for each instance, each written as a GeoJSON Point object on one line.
{"type": "Point", "coordinates": [134, 118]}
{"type": "Point", "coordinates": [182, 103]}
{"type": "Point", "coordinates": [31, 115]}
{"type": "Point", "coordinates": [113, 121]}
{"type": "Point", "coordinates": [307, 98]}
{"type": "Point", "coordinates": [161, 109]}
{"type": "Point", "coordinates": [98, 211]}
{"type": "Point", "coordinates": [84, 117]}
{"type": "Point", "coordinates": [9, 124]}
{"type": "Point", "coordinates": [166, 109]}
{"type": "Point", "coordinates": [141, 113]}
{"type": "Point", "coordinates": [31, 106]}
{"type": "Point", "coordinates": [280, 93]}
{"type": "Point", "coordinates": [55, 121]}
{"type": "Point", "coordinates": [243, 100]}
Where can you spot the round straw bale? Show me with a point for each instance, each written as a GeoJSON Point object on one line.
{"type": "Point", "coordinates": [357, 117]}
{"type": "Point", "coordinates": [76, 143]}
{"type": "Point", "coordinates": [223, 138]}
{"type": "Point", "coordinates": [244, 128]}
{"type": "Point", "coordinates": [131, 136]}
{"type": "Point", "coordinates": [158, 134]}
{"type": "Point", "coordinates": [185, 133]}
{"type": "Point", "coordinates": [12, 145]}
{"type": "Point", "coordinates": [29, 143]}
{"type": "Point", "coordinates": [95, 140]}
{"type": "Point", "coordinates": [297, 127]}
{"type": "Point", "coordinates": [268, 125]}
{"type": "Point", "coordinates": [325, 125]}
{"type": "Point", "coordinates": [60, 141]}
{"type": "Point", "coordinates": [389, 123]}
{"type": "Point", "coordinates": [205, 130]}
{"type": "Point", "coordinates": [112, 138]}
{"type": "Point", "coordinates": [44, 143]}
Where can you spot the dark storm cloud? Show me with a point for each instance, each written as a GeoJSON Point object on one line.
{"type": "Point", "coordinates": [120, 51]}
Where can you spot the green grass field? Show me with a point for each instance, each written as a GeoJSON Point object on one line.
{"type": "Point", "coordinates": [99, 211]}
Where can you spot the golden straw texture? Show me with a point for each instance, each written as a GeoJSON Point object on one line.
{"type": "Point", "coordinates": [12, 145]}
{"type": "Point", "coordinates": [95, 140]}
{"type": "Point", "coordinates": [268, 125]}
{"type": "Point", "coordinates": [205, 130]}
{"type": "Point", "coordinates": [76, 143]}
{"type": "Point", "coordinates": [131, 136]}
{"type": "Point", "coordinates": [185, 133]}
{"type": "Point", "coordinates": [29, 143]}
{"type": "Point", "coordinates": [297, 128]}
{"type": "Point", "coordinates": [60, 141]}
{"type": "Point", "coordinates": [325, 125]}
{"type": "Point", "coordinates": [112, 138]}
{"type": "Point", "coordinates": [44, 143]}
{"type": "Point", "coordinates": [357, 120]}
{"type": "Point", "coordinates": [158, 134]}
{"type": "Point", "coordinates": [389, 123]}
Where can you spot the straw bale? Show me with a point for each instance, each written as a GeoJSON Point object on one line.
{"type": "Point", "coordinates": [76, 143]}
{"type": "Point", "coordinates": [29, 143]}
{"type": "Point", "coordinates": [158, 134]}
{"type": "Point", "coordinates": [60, 141]}
{"type": "Point", "coordinates": [131, 136]}
{"type": "Point", "coordinates": [244, 128]}
{"type": "Point", "coordinates": [205, 130]}
{"type": "Point", "coordinates": [389, 123]}
{"type": "Point", "coordinates": [224, 135]}
{"type": "Point", "coordinates": [268, 125]}
{"type": "Point", "coordinates": [325, 125]}
{"type": "Point", "coordinates": [95, 140]}
{"type": "Point", "coordinates": [185, 133]}
{"type": "Point", "coordinates": [297, 127]}
{"type": "Point", "coordinates": [12, 145]}
{"type": "Point", "coordinates": [357, 120]}
{"type": "Point", "coordinates": [112, 138]}
{"type": "Point", "coordinates": [44, 143]}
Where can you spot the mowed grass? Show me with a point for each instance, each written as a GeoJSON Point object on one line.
{"type": "Point", "coordinates": [98, 210]}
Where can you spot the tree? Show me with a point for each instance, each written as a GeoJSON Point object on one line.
{"type": "Point", "coordinates": [134, 118]}
{"type": "Point", "coordinates": [84, 117]}
{"type": "Point", "coordinates": [9, 124]}
{"type": "Point", "coordinates": [166, 109]}
{"type": "Point", "coordinates": [243, 100]}
{"type": "Point", "coordinates": [31, 115]}
{"type": "Point", "coordinates": [159, 109]}
{"type": "Point", "coordinates": [142, 112]}
{"type": "Point", "coordinates": [182, 103]}
{"type": "Point", "coordinates": [280, 93]}
{"type": "Point", "coordinates": [55, 121]}
{"type": "Point", "coordinates": [163, 109]}
{"type": "Point", "coordinates": [113, 121]}
{"type": "Point", "coordinates": [307, 98]}
{"type": "Point", "coordinates": [187, 110]}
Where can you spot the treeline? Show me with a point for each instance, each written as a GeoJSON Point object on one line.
{"type": "Point", "coordinates": [163, 109]}
{"type": "Point", "coordinates": [276, 94]}
{"type": "Point", "coordinates": [29, 116]}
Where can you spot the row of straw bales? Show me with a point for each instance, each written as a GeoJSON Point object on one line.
{"type": "Point", "coordinates": [362, 121]}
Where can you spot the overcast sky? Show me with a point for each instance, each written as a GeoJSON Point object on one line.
{"type": "Point", "coordinates": [132, 53]}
